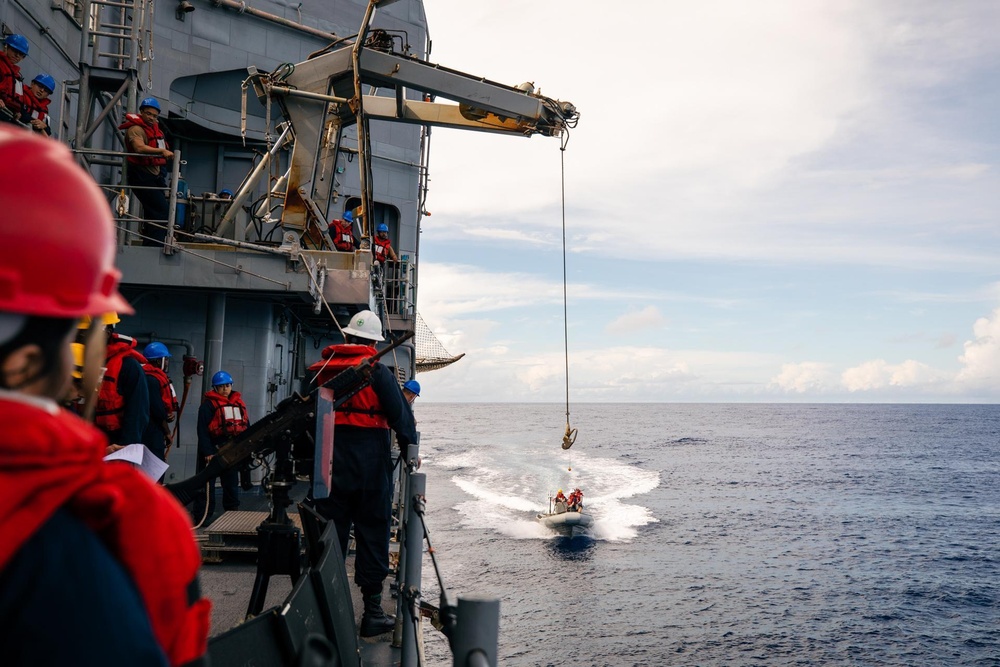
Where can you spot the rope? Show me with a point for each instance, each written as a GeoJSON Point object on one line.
{"type": "Point", "coordinates": [570, 436]}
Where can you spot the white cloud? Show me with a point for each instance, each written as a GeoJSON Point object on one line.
{"type": "Point", "coordinates": [877, 374]}
{"type": "Point", "coordinates": [981, 361]}
{"type": "Point", "coordinates": [807, 376]}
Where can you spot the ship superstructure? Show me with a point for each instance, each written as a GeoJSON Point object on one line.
{"type": "Point", "coordinates": [302, 116]}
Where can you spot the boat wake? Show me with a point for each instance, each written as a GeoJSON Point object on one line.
{"type": "Point", "coordinates": [508, 492]}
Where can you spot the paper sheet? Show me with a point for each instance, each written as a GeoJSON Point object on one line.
{"type": "Point", "coordinates": [143, 459]}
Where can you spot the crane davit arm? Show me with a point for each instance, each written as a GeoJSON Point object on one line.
{"type": "Point", "coordinates": [320, 96]}
{"type": "Point", "coordinates": [482, 104]}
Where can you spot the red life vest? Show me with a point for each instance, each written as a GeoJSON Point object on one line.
{"type": "Point", "coordinates": [167, 392]}
{"type": "Point", "coordinates": [364, 408]}
{"type": "Point", "coordinates": [154, 138]}
{"type": "Point", "coordinates": [342, 234]}
{"type": "Point", "coordinates": [11, 84]}
{"type": "Point", "coordinates": [34, 107]}
{"type": "Point", "coordinates": [50, 459]}
{"type": "Point", "coordinates": [229, 415]}
{"type": "Point", "coordinates": [380, 248]}
{"type": "Point", "coordinates": [111, 404]}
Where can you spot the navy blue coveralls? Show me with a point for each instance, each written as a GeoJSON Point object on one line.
{"type": "Point", "coordinates": [361, 492]}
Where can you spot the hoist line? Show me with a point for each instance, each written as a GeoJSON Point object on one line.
{"type": "Point", "coordinates": [570, 436]}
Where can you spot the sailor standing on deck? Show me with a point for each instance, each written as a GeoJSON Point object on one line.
{"type": "Point", "coordinates": [222, 415]}
{"type": "Point", "coordinates": [163, 404]}
{"type": "Point", "coordinates": [361, 492]}
{"type": "Point", "coordinates": [11, 82]}
{"type": "Point", "coordinates": [97, 564]}
{"type": "Point", "coordinates": [148, 169]}
{"type": "Point", "coordinates": [123, 397]}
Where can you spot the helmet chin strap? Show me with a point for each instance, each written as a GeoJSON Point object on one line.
{"type": "Point", "coordinates": [94, 354]}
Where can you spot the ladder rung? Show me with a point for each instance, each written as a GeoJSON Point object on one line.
{"type": "Point", "coordinates": [115, 35]}
{"type": "Point", "coordinates": [121, 26]}
{"type": "Point", "coordinates": [124, 56]}
{"type": "Point", "coordinates": [106, 3]}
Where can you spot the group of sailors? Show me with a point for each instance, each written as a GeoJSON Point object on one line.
{"type": "Point", "coordinates": [573, 503]}
{"type": "Point", "coordinates": [135, 402]}
{"type": "Point", "coordinates": [133, 554]}
{"type": "Point", "coordinates": [26, 105]}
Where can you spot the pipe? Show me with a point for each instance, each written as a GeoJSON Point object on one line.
{"type": "Point", "coordinates": [242, 8]}
{"type": "Point", "coordinates": [251, 182]}
{"type": "Point", "coordinates": [215, 322]}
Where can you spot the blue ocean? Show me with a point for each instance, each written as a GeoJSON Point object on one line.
{"type": "Point", "coordinates": [749, 534]}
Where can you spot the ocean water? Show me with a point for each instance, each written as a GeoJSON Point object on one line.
{"type": "Point", "coordinates": [723, 534]}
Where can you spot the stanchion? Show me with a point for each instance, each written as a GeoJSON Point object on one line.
{"type": "Point", "coordinates": [475, 641]}
{"type": "Point", "coordinates": [409, 594]}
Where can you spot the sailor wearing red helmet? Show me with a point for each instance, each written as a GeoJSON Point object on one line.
{"type": "Point", "coordinates": [97, 563]}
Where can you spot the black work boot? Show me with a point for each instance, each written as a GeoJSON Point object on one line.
{"type": "Point", "coordinates": [374, 621]}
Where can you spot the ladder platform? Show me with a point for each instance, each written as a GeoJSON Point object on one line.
{"type": "Point", "coordinates": [109, 79]}
{"type": "Point", "coordinates": [234, 531]}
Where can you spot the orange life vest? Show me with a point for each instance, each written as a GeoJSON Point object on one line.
{"type": "Point", "coordinates": [51, 459]}
{"type": "Point", "coordinates": [154, 138]}
{"type": "Point", "coordinates": [167, 393]}
{"type": "Point", "coordinates": [364, 408]}
{"type": "Point", "coordinates": [342, 234]}
{"type": "Point", "coordinates": [34, 108]}
{"type": "Point", "coordinates": [380, 248]}
{"type": "Point", "coordinates": [229, 414]}
{"type": "Point", "coordinates": [11, 84]}
{"type": "Point", "coordinates": [111, 404]}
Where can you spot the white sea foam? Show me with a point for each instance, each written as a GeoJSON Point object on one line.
{"type": "Point", "coordinates": [511, 490]}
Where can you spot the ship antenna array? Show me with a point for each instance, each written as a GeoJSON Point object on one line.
{"type": "Point", "coordinates": [570, 436]}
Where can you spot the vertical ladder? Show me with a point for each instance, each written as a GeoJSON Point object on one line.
{"type": "Point", "coordinates": [115, 48]}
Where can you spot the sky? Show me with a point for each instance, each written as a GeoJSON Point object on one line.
{"type": "Point", "coordinates": [775, 201]}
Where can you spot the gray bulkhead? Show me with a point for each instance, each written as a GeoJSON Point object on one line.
{"type": "Point", "coordinates": [270, 332]}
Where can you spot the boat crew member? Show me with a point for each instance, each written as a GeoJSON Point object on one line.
{"type": "Point", "coordinates": [123, 397]}
{"type": "Point", "coordinates": [35, 110]}
{"type": "Point", "coordinates": [11, 83]}
{"type": "Point", "coordinates": [97, 564]}
{"type": "Point", "coordinates": [162, 399]}
{"type": "Point", "coordinates": [226, 194]}
{"type": "Point", "coordinates": [148, 170]}
{"type": "Point", "coordinates": [381, 246]}
{"type": "Point", "coordinates": [560, 502]}
{"type": "Point", "coordinates": [411, 391]}
{"type": "Point", "coordinates": [222, 415]}
{"type": "Point", "coordinates": [361, 492]}
{"type": "Point", "coordinates": [575, 500]}
{"type": "Point", "coordinates": [342, 232]}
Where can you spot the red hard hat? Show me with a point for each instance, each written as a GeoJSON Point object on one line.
{"type": "Point", "coordinates": [57, 237]}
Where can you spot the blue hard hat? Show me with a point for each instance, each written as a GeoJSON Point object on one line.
{"type": "Point", "coordinates": [46, 82]}
{"type": "Point", "coordinates": [156, 350]}
{"type": "Point", "coordinates": [17, 42]}
{"type": "Point", "coordinates": [226, 191]}
{"type": "Point", "coordinates": [221, 378]}
{"type": "Point", "coordinates": [348, 216]}
{"type": "Point", "coordinates": [413, 386]}
{"type": "Point", "coordinates": [382, 227]}
{"type": "Point", "coordinates": [150, 102]}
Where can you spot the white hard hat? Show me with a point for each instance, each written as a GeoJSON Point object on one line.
{"type": "Point", "coordinates": [365, 324]}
